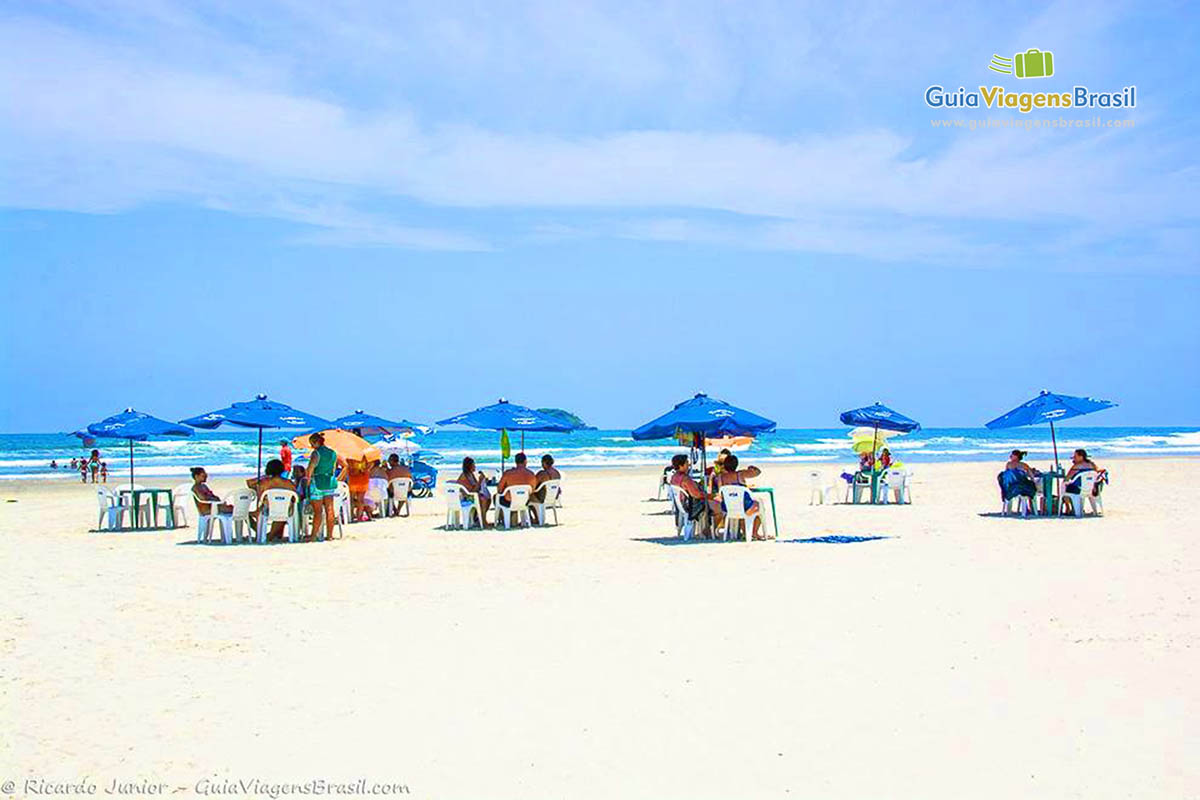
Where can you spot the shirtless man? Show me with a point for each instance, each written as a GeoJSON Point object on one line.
{"type": "Point", "coordinates": [519, 475]}
{"type": "Point", "coordinates": [397, 470]}
{"type": "Point", "coordinates": [732, 476]}
{"type": "Point", "coordinates": [274, 480]}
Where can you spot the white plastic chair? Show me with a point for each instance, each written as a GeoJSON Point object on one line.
{"type": "Point", "coordinates": [856, 487]}
{"type": "Point", "coordinates": [1016, 505]}
{"type": "Point", "coordinates": [684, 526]}
{"type": "Point", "coordinates": [462, 506]}
{"type": "Point", "coordinates": [401, 487]}
{"type": "Point", "coordinates": [342, 509]}
{"type": "Point", "coordinates": [215, 516]}
{"type": "Point", "coordinates": [818, 489]}
{"type": "Point", "coordinates": [112, 510]}
{"type": "Point", "coordinates": [894, 480]}
{"type": "Point", "coordinates": [518, 504]}
{"type": "Point", "coordinates": [278, 505]}
{"type": "Point", "coordinates": [1087, 483]}
{"type": "Point", "coordinates": [376, 497]}
{"type": "Point", "coordinates": [735, 510]}
{"type": "Point", "coordinates": [243, 502]}
{"type": "Point", "coordinates": [551, 501]}
{"type": "Point", "coordinates": [181, 497]}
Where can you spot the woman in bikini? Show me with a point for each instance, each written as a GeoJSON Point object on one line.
{"type": "Point", "coordinates": [473, 481]}
{"type": "Point", "coordinates": [732, 476]}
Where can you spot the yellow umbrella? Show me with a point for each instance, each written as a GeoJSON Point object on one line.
{"type": "Point", "coordinates": [344, 443]}
{"type": "Point", "coordinates": [864, 440]}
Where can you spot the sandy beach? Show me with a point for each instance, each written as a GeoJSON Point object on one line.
{"type": "Point", "coordinates": [962, 655]}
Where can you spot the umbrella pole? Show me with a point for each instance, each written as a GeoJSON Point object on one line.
{"type": "Point", "coordinates": [258, 474]}
{"type": "Point", "coordinates": [131, 465]}
{"type": "Point", "coordinates": [704, 484]}
{"type": "Point", "coordinates": [874, 444]}
{"type": "Point", "coordinates": [1054, 441]}
{"type": "Point", "coordinates": [522, 441]}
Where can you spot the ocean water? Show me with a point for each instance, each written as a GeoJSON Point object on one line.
{"type": "Point", "coordinates": [225, 452]}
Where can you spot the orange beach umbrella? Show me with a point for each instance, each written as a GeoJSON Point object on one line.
{"type": "Point", "coordinates": [344, 443]}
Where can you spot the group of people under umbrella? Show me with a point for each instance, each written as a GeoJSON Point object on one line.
{"type": "Point", "coordinates": [698, 419]}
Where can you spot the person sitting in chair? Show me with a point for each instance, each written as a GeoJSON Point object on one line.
{"type": "Point", "coordinates": [1017, 479]}
{"type": "Point", "coordinates": [273, 480]}
{"type": "Point", "coordinates": [519, 475]}
{"type": "Point", "coordinates": [546, 473]}
{"type": "Point", "coordinates": [474, 481]}
{"type": "Point", "coordinates": [204, 497]}
{"type": "Point", "coordinates": [395, 469]}
{"type": "Point", "coordinates": [1080, 463]}
{"type": "Point", "coordinates": [693, 495]}
{"type": "Point", "coordinates": [732, 476]}
{"type": "Point", "coordinates": [1016, 460]}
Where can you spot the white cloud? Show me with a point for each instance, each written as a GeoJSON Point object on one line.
{"type": "Point", "coordinates": [95, 123]}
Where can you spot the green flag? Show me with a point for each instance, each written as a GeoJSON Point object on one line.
{"type": "Point", "coordinates": [505, 447]}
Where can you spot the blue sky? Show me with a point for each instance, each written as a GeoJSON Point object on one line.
{"type": "Point", "coordinates": [417, 208]}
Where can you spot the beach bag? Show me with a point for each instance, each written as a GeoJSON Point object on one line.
{"type": "Point", "coordinates": [693, 507]}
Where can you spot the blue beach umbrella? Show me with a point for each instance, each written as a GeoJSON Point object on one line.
{"type": "Point", "coordinates": [707, 416]}
{"type": "Point", "coordinates": [704, 417]}
{"type": "Point", "coordinates": [370, 425]}
{"type": "Point", "coordinates": [504, 416]}
{"type": "Point", "coordinates": [879, 417]}
{"type": "Point", "coordinates": [260, 413]}
{"type": "Point", "coordinates": [135, 427]}
{"type": "Point", "coordinates": [1049, 407]}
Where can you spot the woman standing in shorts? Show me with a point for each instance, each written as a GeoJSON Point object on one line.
{"type": "Point", "coordinates": [323, 467]}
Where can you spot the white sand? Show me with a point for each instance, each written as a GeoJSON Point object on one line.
{"type": "Point", "coordinates": [965, 656]}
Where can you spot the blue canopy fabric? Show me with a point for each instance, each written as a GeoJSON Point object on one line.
{"type": "Point", "coordinates": [880, 416]}
{"type": "Point", "coordinates": [1049, 407]}
{"type": "Point", "coordinates": [135, 427]}
{"type": "Point", "coordinates": [371, 425]}
{"type": "Point", "coordinates": [506, 416]}
{"type": "Point", "coordinates": [260, 413]}
{"type": "Point", "coordinates": [707, 416]}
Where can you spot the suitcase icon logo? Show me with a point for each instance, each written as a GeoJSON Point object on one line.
{"type": "Point", "coordinates": [1033, 63]}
